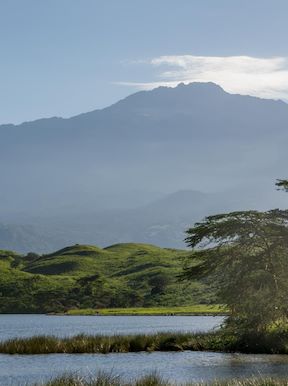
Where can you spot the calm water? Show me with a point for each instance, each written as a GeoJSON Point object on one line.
{"type": "Point", "coordinates": [28, 325]}
{"type": "Point", "coordinates": [178, 367]}
{"type": "Point", "coordinates": [175, 366]}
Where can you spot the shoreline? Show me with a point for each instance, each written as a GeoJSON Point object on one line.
{"type": "Point", "coordinates": [195, 310]}
{"type": "Point", "coordinates": [135, 314]}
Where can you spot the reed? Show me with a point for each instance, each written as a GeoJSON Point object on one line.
{"type": "Point", "coordinates": [103, 379]}
{"type": "Point", "coordinates": [220, 341]}
{"type": "Point", "coordinates": [156, 380]}
{"type": "Point", "coordinates": [110, 344]}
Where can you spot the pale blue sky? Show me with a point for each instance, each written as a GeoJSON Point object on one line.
{"type": "Point", "coordinates": [63, 57]}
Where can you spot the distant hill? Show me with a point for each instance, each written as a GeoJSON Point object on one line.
{"type": "Point", "coordinates": [83, 276]}
{"type": "Point", "coordinates": [116, 174]}
{"type": "Point", "coordinates": [162, 222]}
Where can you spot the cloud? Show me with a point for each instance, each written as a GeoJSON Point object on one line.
{"type": "Point", "coordinates": [263, 77]}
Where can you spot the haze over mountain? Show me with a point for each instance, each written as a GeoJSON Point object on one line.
{"type": "Point", "coordinates": [137, 170]}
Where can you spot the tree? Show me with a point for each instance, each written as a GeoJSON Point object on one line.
{"type": "Point", "coordinates": [159, 283]}
{"type": "Point", "coordinates": [31, 256]}
{"type": "Point", "coordinates": [282, 185]}
{"type": "Point", "coordinates": [245, 256]}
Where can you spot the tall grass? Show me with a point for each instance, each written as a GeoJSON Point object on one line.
{"type": "Point", "coordinates": [155, 380]}
{"type": "Point", "coordinates": [103, 379]}
{"type": "Point", "coordinates": [106, 344]}
{"type": "Point", "coordinates": [220, 340]}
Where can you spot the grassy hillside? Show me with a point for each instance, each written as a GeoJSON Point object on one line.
{"type": "Point", "coordinates": [88, 277]}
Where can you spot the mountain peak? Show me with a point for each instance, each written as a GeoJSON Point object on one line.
{"type": "Point", "coordinates": [208, 86]}
{"type": "Point", "coordinates": [163, 97]}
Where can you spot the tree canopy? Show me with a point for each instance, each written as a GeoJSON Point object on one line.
{"type": "Point", "coordinates": [244, 255]}
{"type": "Point", "coordinates": [282, 185]}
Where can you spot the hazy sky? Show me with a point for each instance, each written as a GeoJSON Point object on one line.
{"type": "Point", "coordinates": [63, 57]}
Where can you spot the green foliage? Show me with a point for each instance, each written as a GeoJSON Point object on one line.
{"type": "Point", "coordinates": [88, 277]}
{"type": "Point", "coordinates": [244, 255]}
{"type": "Point", "coordinates": [282, 185]}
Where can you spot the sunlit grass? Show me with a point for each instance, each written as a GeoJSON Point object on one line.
{"type": "Point", "coordinates": [198, 309]}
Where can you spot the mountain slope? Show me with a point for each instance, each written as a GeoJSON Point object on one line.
{"type": "Point", "coordinates": [167, 139]}
{"type": "Point", "coordinates": [55, 172]}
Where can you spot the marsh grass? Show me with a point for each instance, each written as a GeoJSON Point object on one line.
{"type": "Point", "coordinates": [154, 379]}
{"type": "Point", "coordinates": [221, 341]}
{"type": "Point", "coordinates": [110, 344]}
{"type": "Point", "coordinates": [103, 379]}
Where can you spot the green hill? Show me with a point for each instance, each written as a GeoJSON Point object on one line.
{"type": "Point", "coordinates": [83, 276]}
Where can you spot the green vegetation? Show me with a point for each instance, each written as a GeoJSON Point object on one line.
{"type": "Point", "coordinates": [274, 342]}
{"type": "Point", "coordinates": [155, 380]}
{"type": "Point", "coordinates": [102, 344]}
{"type": "Point", "coordinates": [90, 278]}
{"type": "Point", "coordinates": [106, 380]}
{"type": "Point", "coordinates": [244, 255]}
{"type": "Point", "coordinates": [199, 309]}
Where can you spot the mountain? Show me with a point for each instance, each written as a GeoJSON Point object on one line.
{"type": "Point", "coordinates": [111, 174]}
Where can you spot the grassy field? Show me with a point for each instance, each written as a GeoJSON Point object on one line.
{"type": "Point", "coordinates": [200, 309]}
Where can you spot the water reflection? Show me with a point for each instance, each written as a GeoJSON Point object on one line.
{"type": "Point", "coordinates": [178, 367]}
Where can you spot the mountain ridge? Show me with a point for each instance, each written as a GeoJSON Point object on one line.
{"type": "Point", "coordinates": [192, 137]}
{"type": "Point", "coordinates": [162, 222]}
{"type": "Point", "coordinates": [207, 86]}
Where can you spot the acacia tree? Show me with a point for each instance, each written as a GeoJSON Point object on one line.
{"type": "Point", "coordinates": [282, 185]}
{"type": "Point", "coordinates": [244, 255]}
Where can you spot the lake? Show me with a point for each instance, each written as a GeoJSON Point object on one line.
{"type": "Point", "coordinates": [12, 326]}
{"type": "Point", "coordinates": [175, 366]}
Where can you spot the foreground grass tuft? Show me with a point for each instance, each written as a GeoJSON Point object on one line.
{"type": "Point", "coordinates": [107, 380]}
{"type": "Point", "coordinates": [156, 380]}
